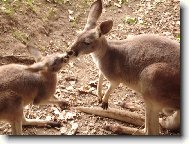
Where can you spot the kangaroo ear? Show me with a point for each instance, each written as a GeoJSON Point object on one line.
{"type": "Point", "coordinates": [94, 14]}
{"type": "Point", "coordinates": [36, 67]}
{"type": "Point", "coordinates": [105, 27]}
{"type": "Point", "coordinates": [34, 52]}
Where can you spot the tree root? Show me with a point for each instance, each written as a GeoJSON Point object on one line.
{"type": "Point", "coordinates": [16, 59]}
{"type": "Point", "coordinates": [118, 129]}
{"type": "Point", "coordinates": [122, 115]}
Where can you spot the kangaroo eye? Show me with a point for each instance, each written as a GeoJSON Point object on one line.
{"type": "Point", "coordinates": [70, 53]}
{"type": "Point", "coordinates": [86, 43]}
{"type": "Point", "coordinates": [62, 59]}
{"type": "Point", "coordinates": [65, 60]}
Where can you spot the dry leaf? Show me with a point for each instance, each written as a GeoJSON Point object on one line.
{"type": "Point", "coordinates": [61, 116]}
{"type": "Point", "coordinates": [140, 21]}
{"type": "Point", "coordinates": [70, 12]}
{"type": "Point", "coordinates": [48, 118]}
{"type": "Point", "coordinates": [73, 129]}
{"type": "Point", "coordinates": [56, 111]}
{"type": "Point", "coordinates": [70, 116]}
{"type": "Point", "coordinates": [107, 3]}
{"type": "Point", "coordinates": [71, 18]}
{"type": "Point", "coordinates": [93, 84]}
{"type": "Point", "coordinates": [72, 82]}
{"type": "Point", "coordinates": [63, 130]}
{"type": "Point", "coordinates": [71, 64]}
{"type": "Point", "coordinates": [130, 105]}
{"type": "Point", "coordinates": [117, 5]}
{"type": "Point", "coordinates": [71, 79]}
{"type": "Point", "coordinates": [70, 88]}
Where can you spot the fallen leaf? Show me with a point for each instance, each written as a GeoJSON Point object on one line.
{"type": "Point", "coordinates": [130, 20]}
{"type": "Point", "coordinates": [91, 124]}
{"type": "Point", "coordinates": [71, 79]}
{"type": "Point", "coordinates": [63, 130]}
{"type": "Point", "coordinates": [61, 116]}
{"type": "Point", "coordinates": [130, 105]}
{"type": "Point", "coordinates": [70, 11]}
{"type": "Point", "coordinates": [71, 64]}
{"type": "Point", "coordinates": [107, 3]}
{"type": "Point", "coordinates": [56, 111]}
{"type": "Point", "coordinates": [117, 5]}
{"type": "Point", "coordinates": [72, 82]}
{"type": "Point", "coordinates": [66, 1]}
{"type": "Point", "coordinates": [70, 116]}
{"type": "Point", "coordinates": [140, 21]}
{"type": "Point", "coordinates": [71, 18]}
{"type": "Point", "coordinates": [48, 118]}
{"type": "Point", "coordinates": [73, 129]}
{"type": "Point", "coordinates": [69, 88]}
{"type": "Point", "coordinates": [93, 84]}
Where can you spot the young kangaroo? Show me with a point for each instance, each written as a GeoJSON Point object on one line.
{"type": "Point", "coordinates": [21, 85]}
{"type": "Point", "coordinates": [148, 64]}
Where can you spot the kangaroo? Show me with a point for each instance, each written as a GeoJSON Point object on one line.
{"type": "Point", "coordinates": [21, 85]}
{"type": "Point", "coordinates": [147, 63]}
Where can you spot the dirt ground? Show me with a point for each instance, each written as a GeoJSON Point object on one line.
{"type": "Point", "coordinates": [52, 25]}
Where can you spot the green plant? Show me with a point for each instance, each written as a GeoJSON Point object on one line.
{"type": "Point", "coordinates": [30, 4]}
{"type": "Point", "coordinates": [60, 1]}
{"type": "Point", "coordinates": [124, 1]}
{"type": "Point", "coordinates": [75, 20]}
{"type": "Point", "coordinates": [178, 37]}
{"type": "Point", "coordinates": [42, 49]}
{"type": "Point", "coordinates": [86, 3]}
{"type": "Point", "coordinates": [129, 20]}
{"type": "Point", "coordinates": [57, 1]}
{"type": "Point", "coordinates": [11, 6]}
{"type": "Point", "coordinates": [21, 36]}
{"type": "Point", "coordinates": [51, 13]}
{"type": "Point", "coordinates": [7, 10]}
{"type": "Point", "coordinates": [6, 7]}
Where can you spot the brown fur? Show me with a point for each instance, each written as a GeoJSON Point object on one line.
{"type": "Point", "coordinates": [21, 85]}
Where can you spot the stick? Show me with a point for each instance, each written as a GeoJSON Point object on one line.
{"type": "Point", "coordinates": [118, 129]}
{"type": "Point", "coordinates": [16, 59]}
{"type": "Point", "coordinates": [122, 115]}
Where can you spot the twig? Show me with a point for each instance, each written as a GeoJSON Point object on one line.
{"type": "Point", "coordinates": [118, 129]}
{"type": "Point", "coordinates": [122, 115]}
{"type": "Point", "coordinates": [16, 59]}
{"type": "Point", "coordinates": [135, 133]}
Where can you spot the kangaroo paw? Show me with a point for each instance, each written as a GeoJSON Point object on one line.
{"type": "Point", "coordinates": [104, 105]}
{"type": "Point", "coordinates": [100, 100]}
{"type": "Point", "coordinates": [64, 105]}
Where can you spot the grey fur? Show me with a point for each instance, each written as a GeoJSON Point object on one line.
{"type": "Point", "coordinates": [147, 63]}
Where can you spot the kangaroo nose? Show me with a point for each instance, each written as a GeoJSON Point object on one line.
{"type": "Point", "coordinates": [72, 53]}
{"type": "Point", "coordinates": [76, 53]}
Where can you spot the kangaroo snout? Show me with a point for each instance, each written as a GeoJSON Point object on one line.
{"type": "Point", "coordinates": [72, 52]}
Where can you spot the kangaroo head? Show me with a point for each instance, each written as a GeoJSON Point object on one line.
{"type": "Point", "coordinates": [88, 40]}
{"type": "Point", "coordinates": [50, 63]}
{"type": "Point", "coordinates": [54, 62]}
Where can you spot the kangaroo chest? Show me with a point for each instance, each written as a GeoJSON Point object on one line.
{"type": "Point", "coordinates": [116, 69]}
{"type": "Point", "coordinates": [46, 90]}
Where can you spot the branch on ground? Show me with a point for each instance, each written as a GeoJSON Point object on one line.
{"type": "Point", "coordinates": [118, 129]}
{"type": "Point", "coordinates": [16, 59]}
{"type": "Point", "coordinates": [122, 115]}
